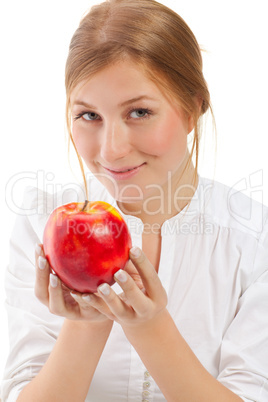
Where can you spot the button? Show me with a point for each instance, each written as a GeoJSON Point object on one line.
{"type": "Point", "coordinates": [145, 393]}
{"type": "Point", "coordinates": [146, 384]}
{"type": "Point", "coordinates": [146, 374]}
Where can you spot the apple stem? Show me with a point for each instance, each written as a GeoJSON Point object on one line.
{"type": "Point", "coordinates": [85, 205]}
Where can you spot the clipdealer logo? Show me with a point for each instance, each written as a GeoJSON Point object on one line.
{"type": "Point", "coordinates": [247, 191]}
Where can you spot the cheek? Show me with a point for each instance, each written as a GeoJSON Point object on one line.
{"type": "Point", "coordinates": [85, 146]}
{"type": "Point", "coordinates": [170, 135]}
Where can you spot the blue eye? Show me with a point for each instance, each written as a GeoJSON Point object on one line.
{"type": "Point", "coordinates": [136, 114]}
{"type": "Point", "coordinates": [139, 113]}
{"type": "Point", "coordinates": [88, 116]}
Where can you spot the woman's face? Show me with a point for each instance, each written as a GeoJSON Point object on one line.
{"type": "Point", "coordinates": [128, 133]}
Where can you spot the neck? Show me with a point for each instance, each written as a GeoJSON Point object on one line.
{"type": "Point", "coordinates": [175, 195]}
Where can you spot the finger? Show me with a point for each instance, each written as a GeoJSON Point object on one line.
{"type": "Point", "coordinates": [56, 297]}
{"type": "Point", "coordinates": [93, 302]}
{"type": "Point", "coordinates": [149, 276]}
{"type": "Point", "coordinates": [119, 309]}
{"type": "Point", "coordinates": [82, 300]}
{"type": "Point", "coordinates": [133, 272]}
{"type": "Point", "coordinates": [42, 270]}
{"type": "Point", "coordinates": [132, 293]}
{"type": "Point", "coordinates": [99, 304]}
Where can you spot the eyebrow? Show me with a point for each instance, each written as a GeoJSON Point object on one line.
{"type": "Point", "coordinates": [138, 98]}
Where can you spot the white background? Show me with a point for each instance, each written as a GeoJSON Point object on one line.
{"type": "Point", "coordinates": [34, 43]}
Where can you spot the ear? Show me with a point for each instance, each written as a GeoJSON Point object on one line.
{"type": "Point", "coordinates": [199, 102]}
{"type": "Point", "coordinates": [190, 123]}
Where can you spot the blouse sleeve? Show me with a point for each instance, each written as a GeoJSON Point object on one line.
{"type": "Point", "coordinates": [244, 351]}
{"type": "Point", "coordinates": [32, 328]}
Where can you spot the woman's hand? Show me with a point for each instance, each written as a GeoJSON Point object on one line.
{"type": "Point", "coordinates": [60, 299]}
{"type": "Point", "coordinates": [143, 297]}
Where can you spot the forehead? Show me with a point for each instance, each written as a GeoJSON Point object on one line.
{"type": "Point", "coordinates": [123, 74]}
{"type": "Point", "coordinates": [125, 79]}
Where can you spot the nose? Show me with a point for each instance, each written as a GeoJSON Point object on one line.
{"type": "Point", "coordinates": [115, 142]}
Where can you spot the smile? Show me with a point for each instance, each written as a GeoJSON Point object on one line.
{"type": "Point", "coordinates": [125, 172]}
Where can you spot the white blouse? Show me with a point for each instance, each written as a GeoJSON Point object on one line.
{"type": "Point", "coordinates": [214, 267]}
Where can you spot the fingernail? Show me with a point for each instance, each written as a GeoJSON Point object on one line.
{"type": "Point", "coordinates": [121, 276]}
{"type": "Point", "coordinates": [135, 252]}
{"type": "Point", "coordinates": [86, 298]}
{"type": "Point", "coordinates": [38, 249]}
{"type": "Point", "coordinates": [42, 262]}
{"type": "Point", "coordinates": [74, 295]}
{"type": "Point", "coordinates": [104, 289]}
{"type": "Point", "coordinates": [53, 280]}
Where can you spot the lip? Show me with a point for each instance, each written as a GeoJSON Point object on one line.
{"type": "Point", "coordinates": [125, 172]}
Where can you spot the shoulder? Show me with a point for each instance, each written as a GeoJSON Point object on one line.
{"type": "Point", "coordinates": [232, 208]}
{"type": "Point", "coordinates": [240, 228]}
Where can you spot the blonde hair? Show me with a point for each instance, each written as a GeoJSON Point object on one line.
{"type": "Point", "coordinates": [153, 36]}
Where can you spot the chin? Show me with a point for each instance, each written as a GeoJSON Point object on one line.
{"type": "Point", "coordinates": [129, 194]}
{"type": "Point", "coordinates": [123, 192]}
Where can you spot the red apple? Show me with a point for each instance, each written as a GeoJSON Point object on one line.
{"type": "Point", "coordinates": [86, 243]}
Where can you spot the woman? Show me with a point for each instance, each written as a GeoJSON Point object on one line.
{"type": "Point", "coordinates": [191, 321]}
